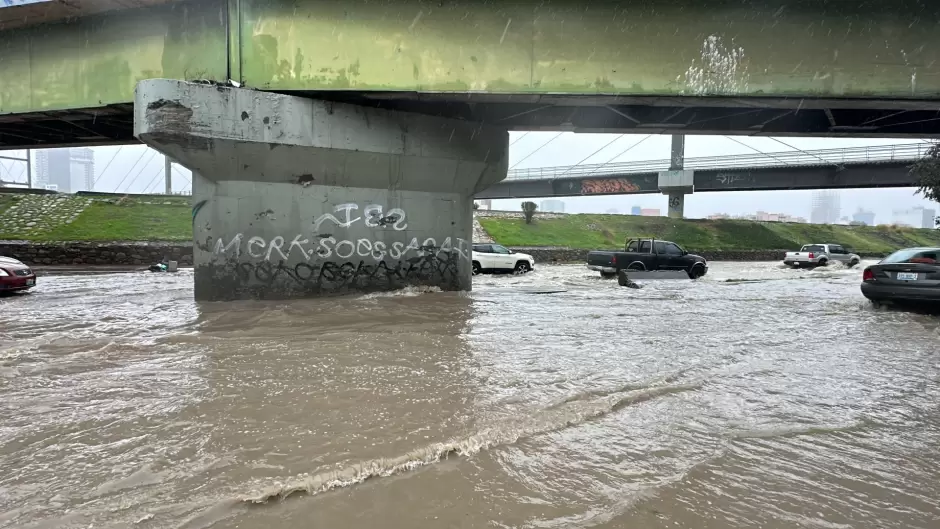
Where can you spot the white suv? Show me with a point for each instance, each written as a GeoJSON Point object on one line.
{"type": "Point", "coordinates": [495, 258]}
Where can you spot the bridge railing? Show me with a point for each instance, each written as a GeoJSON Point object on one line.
{"type": "Point", "coordinates": [850, 155]}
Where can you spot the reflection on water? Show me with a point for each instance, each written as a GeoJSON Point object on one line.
{"type": "Point", "coordinates": [759, 396]}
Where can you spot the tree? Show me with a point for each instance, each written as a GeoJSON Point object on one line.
{"type": "Point", "coordinates": [476, 205]}
{"type": "Point", "coordinates": [926, 173]}
{"type": "Point", "coordinates": [528, 209]}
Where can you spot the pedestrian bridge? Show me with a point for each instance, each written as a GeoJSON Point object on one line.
{"type": "Point", "coordinates": [854, 167]}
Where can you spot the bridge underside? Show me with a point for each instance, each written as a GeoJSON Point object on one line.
{"type": "Point", "coordinates": [891, 174]}
{"type": "Point", "coordinates": [113, 124]}
{"type": "Point", "coordinates": [781, 67]}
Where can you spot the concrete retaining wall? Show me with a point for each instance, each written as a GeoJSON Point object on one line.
{"type": "Point", "coordinates": [83, 253]}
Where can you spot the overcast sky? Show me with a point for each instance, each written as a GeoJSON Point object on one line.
{"type": "Point", "coordinates": [136, 169]}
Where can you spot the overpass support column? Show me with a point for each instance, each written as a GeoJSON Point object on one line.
{"type": "Point", "coordinates": [676, 182]}
{"type": "Point", "coordinates": [676, 205]}
{"type": "Point", "coordinates": [297, 197]}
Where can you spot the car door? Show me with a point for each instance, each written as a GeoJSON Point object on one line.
{"type": "Point", "coordinates": [674, 258]}
{"type": "Point", "coordinates": [838, 253]}
{"type": "Point", "coordinates": [502, 258]}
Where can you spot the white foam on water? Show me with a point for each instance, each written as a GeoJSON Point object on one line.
{"type": "Point", "coordinates": [569, 412]}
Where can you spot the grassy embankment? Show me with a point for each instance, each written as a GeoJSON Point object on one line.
{"type": "Point", "coordinates": [160, 218]}
{"type": "Point", "coordinates": [609, 231]}
{"type": "Point", "coordinates": [120, 219]}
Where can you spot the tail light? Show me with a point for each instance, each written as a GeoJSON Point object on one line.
{"type": "Point", "coordinates": [812, 255]}
{"type": "Point", "coordinates": [868, 275]}
{"type": "Point", "coordinates": [613, 259]}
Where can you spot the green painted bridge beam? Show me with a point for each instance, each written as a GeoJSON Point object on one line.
{"type": "Point", "coordinates": [761, 48]}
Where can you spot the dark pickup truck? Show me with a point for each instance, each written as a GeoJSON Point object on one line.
{"type": "Point", "coordinates": [650, 255]}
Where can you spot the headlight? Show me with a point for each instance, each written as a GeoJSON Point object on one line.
{"type": "Point", "coordinates": [3, 273]}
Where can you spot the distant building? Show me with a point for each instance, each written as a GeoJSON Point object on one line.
{"type": "Point", "coordinates": [865, 218]}
{"type": "Point", "coordinates": [760, 216]}
{"type": "Point", "coordinates": [486, 204]}
{"type": "Point", "coordinates": [917, 217]}
{"type": "Point", "coordinates": [650, 212]}
{"type": "Point", "coordinates": [552, 206]}
{"type": "Point", "coordinates": [636, 210]}
{"type": "Point", "coordinates": [826, 208]}
{"type": "Point", "coordinates": [65, 170]}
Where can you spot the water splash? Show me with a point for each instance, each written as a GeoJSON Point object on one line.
{"type": "Point", "coordinates": [719, 70]}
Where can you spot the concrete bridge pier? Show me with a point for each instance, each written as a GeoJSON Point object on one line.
{"type": "Point", "coordinates": [298, 197]}
{"type": "Point", "coordinates": [676, 182]}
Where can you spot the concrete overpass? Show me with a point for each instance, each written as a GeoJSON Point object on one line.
{"type": "Point", "coordinates": [367, 127]}
{"type": "Point", "coordinates": [862, 167]}
{"type": "Point", "coordinates": [68, 68]}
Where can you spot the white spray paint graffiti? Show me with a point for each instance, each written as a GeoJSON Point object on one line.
{"type": "Point", "coordinates": [273, 250]}
{"type": "Point", "coordinates": [327, 246]}
{"type": "Point", "coordinates": [373, 217]}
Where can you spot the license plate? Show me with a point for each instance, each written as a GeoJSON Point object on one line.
{"type": "Point", "coordinates": [30, 282]}
{"type": "Point", "coordinates": [907, 276]}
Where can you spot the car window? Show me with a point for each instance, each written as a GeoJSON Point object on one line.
{"type": "Point", "coordinates": [813, 248]}
{"type": "Point", "coordinates": [482, 248]}
{"type": "Point", "coordinates": [660, 247]}
{"type": "Point", "coordinates": [644, 246]}
{"type": "Point", "coordinates": [631, 247]}
{"type": "Point", "coordinates": [500, 249]}
{"type": "Point", "coordinates": [833, 248]}
{"type": "Point", "coordinates": [672, 249]}
{"type": "Point", "coordinates": [912, 256]}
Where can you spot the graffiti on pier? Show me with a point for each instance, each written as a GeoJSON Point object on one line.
{"type": "Point", "coordinates": [278, 248]}
{"type": "Point", "coordinates": [348, 248]}
{"type": "Point", "coordinates": [372, 216]}
{"type": "Point", "coordinates": [350, 275]}
{"type": "Point", "coordinates": [598, 186]}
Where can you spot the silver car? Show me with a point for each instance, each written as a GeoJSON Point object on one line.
{"type": "Point", "coordinates": [812, 255]}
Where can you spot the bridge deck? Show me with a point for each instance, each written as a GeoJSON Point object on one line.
{"type": "Point", "coordinates": [661, 66]}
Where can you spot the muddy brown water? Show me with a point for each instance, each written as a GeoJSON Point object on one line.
{"type": "Point", "coordinates": [757, 397]}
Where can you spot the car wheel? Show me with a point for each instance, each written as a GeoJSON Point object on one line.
{"type": "Point", "coordinates": [522, 267]}
{"type": "Point", "coordinates": [696, 272]}
{"type": "Point", "coordinates": [853, 263]}
{"type": "Point", "coordinates": [636, 266]}
{"type": "Point", "coordinates": [477, 269]}
{"type": "Point", "coordinates": [823, 262]}
{"type": "Point", "coordinates": [608, 275]}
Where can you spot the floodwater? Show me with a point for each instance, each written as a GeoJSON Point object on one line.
{"type": "Point", "coordinates": [757, 397]}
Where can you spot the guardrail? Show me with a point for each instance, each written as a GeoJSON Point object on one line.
{"type": "Point", "coordinates": [851, 155]}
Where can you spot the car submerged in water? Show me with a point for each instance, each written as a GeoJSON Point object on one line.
{"type": "Point", "coordinates": [15, 276]}
{"type": "Point", "coordinates": [908, 276]}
